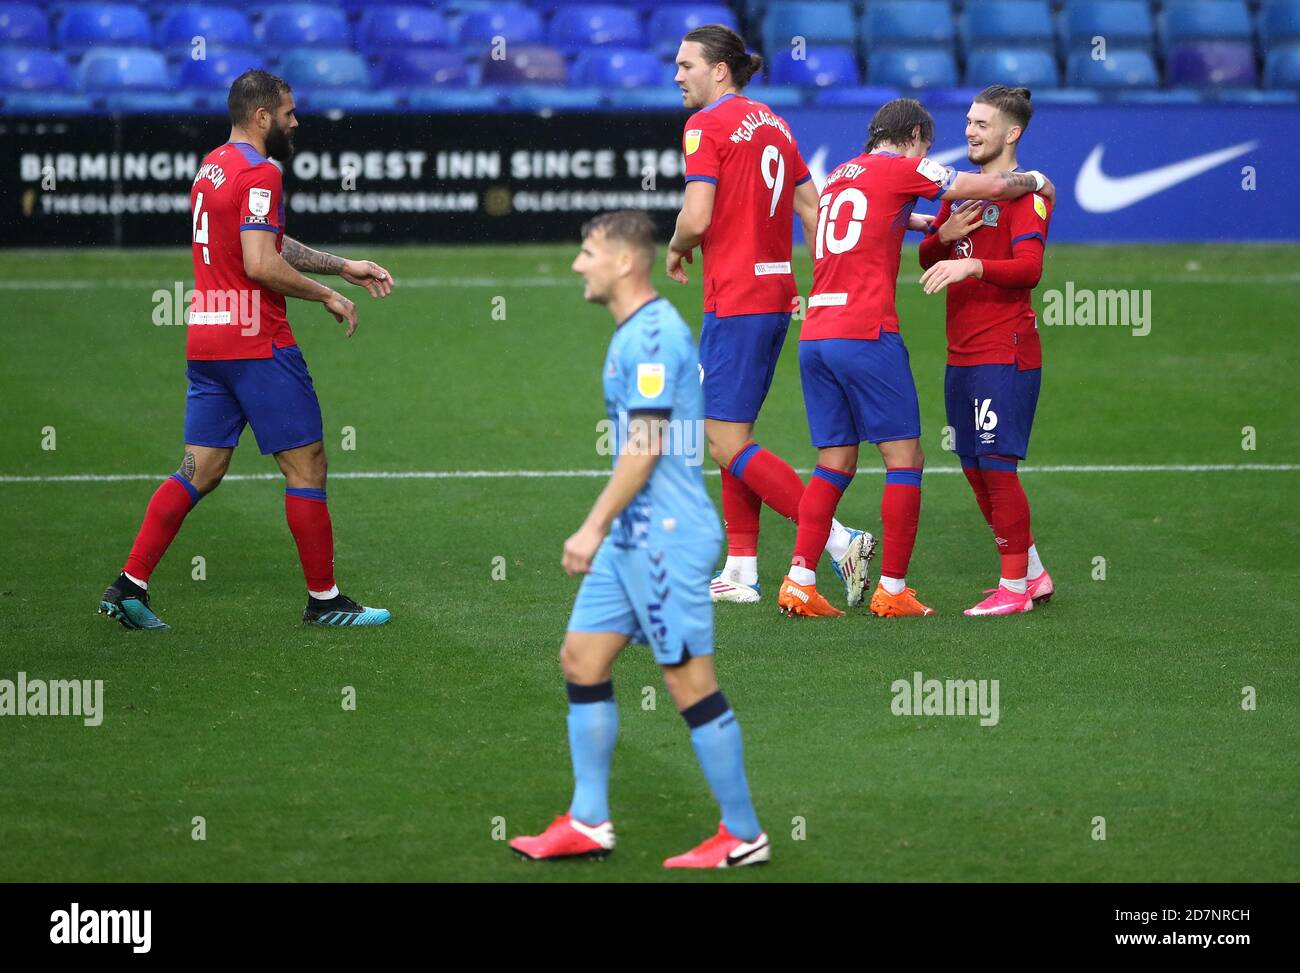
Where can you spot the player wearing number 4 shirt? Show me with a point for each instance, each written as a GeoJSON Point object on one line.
{"type": "Point", "coordinates": [244, 364]}
{"type": "Point", "coordinates": [990, 256]}
{"type": "Point", "coordinates": [745, 181]}
{"type": "Point", "coordinates": [857, 379]}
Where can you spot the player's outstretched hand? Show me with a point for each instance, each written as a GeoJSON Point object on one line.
{"type": "Point", "coordinates": [920, 222]}
{"type": "Point", "coordinates": [343, 310]}
{"type": "Point", "coordinates": [947, 272]}
{"type": "Point", "coordinates": [964, 220]}
{"type": "Point", "coordinates": [580, 550]}
{"type": "Point", "coordinates": [368, 274]}
{"type": "Point", "coordinates": [674, 265]}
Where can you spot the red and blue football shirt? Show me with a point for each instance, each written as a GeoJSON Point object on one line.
{"type": "Point", "coordinates": [236, 191]}
{"type": "Point", "coordinates": [989, 323]}
{"type": "Point", "coordinates": [861, 219]}
{"type": "Point", "coordinates": [747, 151]}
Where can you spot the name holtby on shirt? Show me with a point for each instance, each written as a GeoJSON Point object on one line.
{"type": "Point", "coordinates": [237, 307]}
{"type": "Point", "coordinates": [946, 697]}
{"type": "Point", "coordinates": [1084, 307]}
{"type": "Point", "coordinates": [635, 435]}
{"type": "Point", "coordinates": [53, 697]}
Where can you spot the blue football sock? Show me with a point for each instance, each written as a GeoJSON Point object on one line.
{"type": "Point", "coordinates": [715, 734]}
{"type": "Point", "coordinates": [593, 728]}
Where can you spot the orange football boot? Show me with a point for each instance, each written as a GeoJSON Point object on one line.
{"type": "Point", "coordinates": [797, 600]}
{"type": "Point", "coordinates": [901, 605]}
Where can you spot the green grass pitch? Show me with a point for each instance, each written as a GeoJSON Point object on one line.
{"type": "Point", "coordinates": [1121, 699]}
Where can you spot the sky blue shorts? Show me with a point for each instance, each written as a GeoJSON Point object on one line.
{"type": "Point", "coordinates": [658, 598]}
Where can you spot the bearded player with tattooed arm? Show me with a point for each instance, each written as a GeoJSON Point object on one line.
{"type": "Point", "coordinates": [244, 366]}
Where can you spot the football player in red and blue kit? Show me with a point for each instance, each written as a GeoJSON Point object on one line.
{"type": "Point", "coordinates": [857, 378]}
{"type": "Point", "coordinates": [244, 366]}
{"type": "Point", "coordinates": [990, 257]}
{"type": "Point", "coordinates": [745, 181]}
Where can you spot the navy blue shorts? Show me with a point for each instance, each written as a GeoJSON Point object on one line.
{"type": "Point", "coordinates": [273, 395]}
{"type": "Point", "coordinates": [738, 356]}
{"type": "Point", "coordinates": [991, 408]}
{"type": "Point", "coordinates": [859, 390]}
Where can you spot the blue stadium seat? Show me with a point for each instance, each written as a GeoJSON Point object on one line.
{"type": "Point", "coordinates": [88, 25]}
{"type": "Point", "coordinates": [1123, 23]}
{"type": "Point", "coordinates": [316, 69]}
{"type": "Point", "coordinates": [291, 25]}
{"type": "Point", "coordinates": [23, 25]}
{"type": "Point", "coordinates": [776, 96]}
{"type": "Point", "coordinates": [1122, 68]}
{"type": "Point", "coordinates": [385, 29]}
{"type": "Point", "coordinates": [1279, 23]}
{"type": "Point", "coordinates": [863, 96]}
{"type": "Point", "coordinates": [904, 24]}
{"type": "Point", "coordinates": [646, 99]}
{"type": "Point", "coordinates": [1184, 96]}
{"type": "Point", "coordinates": [347, 100]}
{"type": "Point", "coordinates": [152, 102]}
{"type": "Point", "coordinates": [1222, 20]}
{"type": "Point", "coordinates": [518, 25]}
{"type": "Point", "coordinates": [551, 98]}
{"type": "Point", "coordinates": [422, 68]}
{"type": "Point", "coordinates": [1211, 64]}
{"type": "Point", "coordinates": [105, 69]}
{"type": "Point", "coordinates": [668, 25]}
{"type": "Point", "coordinates": [580, 26]}
{"type": "Point", "coordinates": [621, 67]}
{"type": "Point", "coordinates": [817, 23]}
{"type": "Point", "coordinates": [31, 70]}
{"type": "Point", "coordinates": [1066, 96]}
{"type": "Point", "coordinates": [455, 99]}
{"type": "Point", "coordinates": [46, 103]}
{"type": "Point", "coordinates": [825, 66]}
{"type": "Point", "coordinates": [525, 64]}
{"type": "Point", "coordinates": [1033, 68]}
{"type": "Point", "coordinates": [219, 69]}
{"type": "Point", "coordinates": [220, 27]}
{"type": "Point", "coordinates": [1253, 96]}
{"type": "Point", "coordinates": [1019, 22]}
{"type": "Point", "coordinates": [912, 68]}
{"type": "Point", "coordinates": [1282, 68]}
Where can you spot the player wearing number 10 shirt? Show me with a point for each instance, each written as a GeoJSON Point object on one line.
{"type": "Point", "coordinates": [244, 366]}
{"type": "Point", "coordinates": [857, 379]}
{"type": "Point", "coordinates": [745, 181]}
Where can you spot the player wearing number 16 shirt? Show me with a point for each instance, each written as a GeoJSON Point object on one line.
{"type": "Point", "coordinates": [745, 181]}
{"type": "Point", "coordinates": [857, 379]}
{"type": "Point", "coordinates": [244, 366]}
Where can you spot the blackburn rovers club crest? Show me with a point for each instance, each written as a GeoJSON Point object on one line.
{"type": "Point", "coordinates": [991, 213]}
{"type": "Point", "coordinates": [962, 248]}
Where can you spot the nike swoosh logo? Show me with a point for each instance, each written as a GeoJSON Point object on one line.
{"type": "Point", "coordinates": [743, 852]}
{"type": "Point", "coordinates": [1100, 193]}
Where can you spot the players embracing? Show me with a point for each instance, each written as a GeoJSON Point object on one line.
{"type": "Point", "coordinates": [989, 256]}
{"type": "Point", "coordinates": [745, 181]}
{"type": "Point", "coordinates": [857, 378]}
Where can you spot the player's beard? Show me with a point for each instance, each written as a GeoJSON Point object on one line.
{"type": "Point", "coordinates": [984, 154]}
{"type": "Point", "coordinates": [279, 143]}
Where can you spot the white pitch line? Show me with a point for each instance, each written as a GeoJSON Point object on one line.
{"type": "Point", "coordinates": [579, 474]}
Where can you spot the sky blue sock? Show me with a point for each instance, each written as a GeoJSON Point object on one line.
{"type": "Point", "coordinates": [715, 734]}
{"type": "Point", "coordinates": [593, 728]}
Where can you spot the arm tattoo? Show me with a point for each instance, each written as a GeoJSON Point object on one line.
{"type": "Point", "coordinates": [1012, 179]}
{"type": "Point", "coordinates": [309, 261]}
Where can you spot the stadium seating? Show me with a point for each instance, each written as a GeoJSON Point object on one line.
{"type": "Point", "coordinates": [1033, 68]}
{"type": "Point", "coordinates": [913, 68]}
{"type": "Point", "coordinates": [23, 25]}
{"type": "Point", "coordinates": [425, 54]}
{"type": "Point", "coordinates": [383, 30]}
{"type": "Point", "coordinates": [825, 66]}
{"type": "Point", "coordinates": [893, 24]}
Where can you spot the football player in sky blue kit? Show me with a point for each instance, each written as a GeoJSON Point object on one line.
{"type": "Point", "coordinates": [647, 549]}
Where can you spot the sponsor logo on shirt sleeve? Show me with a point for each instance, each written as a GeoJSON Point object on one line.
{"type": "Point", "coordinates": [936, 171]}
{"type": "Point", "coordinates": [259, 201]}
{"type": "Point", "coordinates": [650, 379]}
{"type": "Point", "coordinates": [691, 141]}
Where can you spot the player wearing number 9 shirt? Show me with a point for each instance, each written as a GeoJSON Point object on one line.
{"type": "Point", "coordinates": [244, 366]}
{"type": "Point", "coordinates": [857, 379]}
{"type": "Point", "coordinates": [745, 181]}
